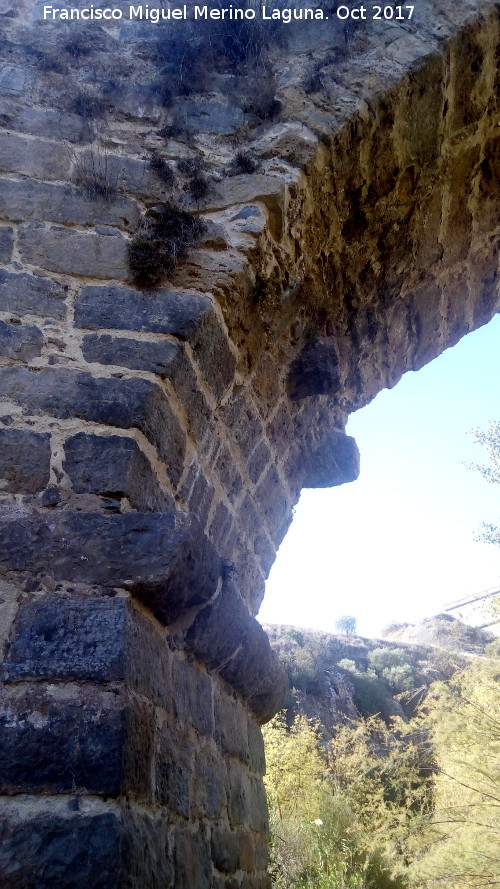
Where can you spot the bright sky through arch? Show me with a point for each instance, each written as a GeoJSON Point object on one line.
{"type": "Point", "coordinates": [399, 543]}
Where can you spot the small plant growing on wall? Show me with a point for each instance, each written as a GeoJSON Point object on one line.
{"type": "Point", "coordinates": [163, 239]}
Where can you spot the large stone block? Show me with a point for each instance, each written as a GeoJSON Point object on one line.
{"type": "Point", "coordinates": [64, 739]}
{"type": "Point", "coordinates": [29, 294]}
{"type": "Point", "coordinates": [161, 311]}
{"type": "Point", "coordinates": [192, 860]}
{"type": "Point", "coordinates": [33, 157]}
{"type": "Point", "coordinates": [334, 462]}
{"type": "Point", "coordinates": [22, 200]}
{"type": "Point", "coordinates": [114, 467]}
{"type": "Point", "coordinates": [155, 357]}
{"type": "Point", "coordinates": [160, 558]}
{"type": "Point", "coordinates": [315, 372]}
{"type": "Point", "coordinates": [66, 637]}
{"type": "Point", "coordinates": [73, 252]}
{"type": "Point", "coordinates": [193, 702]}
{"type": "Point", "coordinates": [20, 342]}
{"type": "Point", "coordinates": [73, 852]}
{"type": "Point", "coordinates": [67, 393]}
{"type": "Point", "coordinates": [24, 461]}
{"type": "Point", "coordinates": [46, 122]}
{"type": "Point", "coordinates": [188, 316]}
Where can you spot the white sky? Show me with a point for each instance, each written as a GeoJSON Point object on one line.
{"type": "Point", "coordinates": [399, 543]}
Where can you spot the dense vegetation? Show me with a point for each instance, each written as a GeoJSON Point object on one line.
{"type": "Point", "coordinates": [406, 801]}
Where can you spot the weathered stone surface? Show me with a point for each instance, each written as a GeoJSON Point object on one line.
{"type": "Point", "coordinates": [73, 852]}
{"type": "Point", "coordinates": [315, 371]}
{"type": "Point", "coordinates": [256, 673]}
{"type": "Point", "coordinates": [47, 122]}
{"type": "Point", "coordinates": [113, 466]}
{"type": "Point", "coordinates": [72, 740]}
{"type": "Point", "coordinates": [74, 252]}
{"type": "Point", "coordinates": [24, 461]}
{"type": "Point", "coordinates": [64, 637]}
{"type": "Point", "coordinates": [22, 200]}
{"type": "Point", "coordinates": [157, 358]}
{"type": "Point", "coordinates": [218, 631]}
{"type": "Point", "coordinates": [162, 311]}
{"type": "Point", "coordinates": [193, 701]}
{"type": "Point", "coordinates": [31, 294]}
{"type": "Point", "coordinates": [335, 462]}
{"type": "Point", "coordinates": [32, 157]}
{"type": "Point", "coordinates": [160, 558]}
{"type": "Point", "coordinates": [186, 316]}
{"type": "Point", "coordinates": [6, 243]}
{"type": "Point", "coordinates": [174, 770]}
{"type": "Point", "coordinates": [203, 116]}
{"type": "Point", "coordinates": [191, 860]}
{"type": "Point", "coordinates": [20, 342]}
{"type": "Point", "coordinates": [123, 403]}
{"type": "Point", "coordinates": [13, 80]}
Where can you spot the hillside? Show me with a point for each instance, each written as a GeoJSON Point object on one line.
{"type": "Point", "coordinates": [334, 679]}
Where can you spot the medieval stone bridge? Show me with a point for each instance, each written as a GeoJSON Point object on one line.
{"type": "Point", "coordinates": [154, 440]}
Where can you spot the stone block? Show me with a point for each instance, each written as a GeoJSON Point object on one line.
{"type": "Point", "coordinates": [20, 342]}
{"type": "Point", "coordinates": [219, 629]}
{"type": "Point", "coordinates": [45, 122]}
{"type": "Point", "coordinates": [204, 116]}
{"type": "Point", "coordinates": [74, 252]}
{"type": "Point", "coordinates": [66, 393]}
{"type": "Point", "coordinates": [225, 850]}
{"type": "Point", "coordinates": [335, 462]}
{"type": "Point", "coordinates": [154, 357]}
{"type": "Point", "coordinates": [161, 558]}
{"type": "Point", "coordinates": [256, 674]}
{"type": "Point", "coordinates": [13, 80]}
{"type": "Point", "coordinates": [192, 860]}
{"type": "Point", "coordinates": [60, 741]}
{"type": "Point", "coordinates": [197, 493]}
{"type": "Point", "coordinates": [209, 785]}
{"type": "Point", "coordinates": [73, 852]}
{"type": "Point", "coordinates": [24, 461]}
{"type": "Point", "coordinates": [65, 637]}
{"type": "Point", "coordinates": [258, 461]}
{"type": "Point", "coordinates": [173, 771]}
{"type": "Point", "coordinates": [228, 473]}
{"type": "Point", "coordinates": [243, 422]}
{"type": "Point", "coordinates": [315, 372]}
{"type": "Point", "coordinates": [29, 294]}
{"type": "Point", "coordinates": [256, 748]}
{"type": "Point", "coordinates": [231, 727]}
{"type": "Point", "coordinates": [6, 243]}
{"type": "Point", "coordinates": [238, 801]}
{"type": "Point", "coordinates": [22, 200]}
{"type": "Point", "coordinates": [33, 157]}
{"type": "Point", "coordinates": [159, 311]}
{"type": "Point", "coordinates": [113, 466]}
{"type": "Point", "coordinates": [273, 502]}
{"type": "Point", "coordinates": [187, 316]}
{"type": "Point", "coordinates": [193, 702]}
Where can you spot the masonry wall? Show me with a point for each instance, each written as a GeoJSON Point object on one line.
{"type": "Point", "coordinates": [153, 441]}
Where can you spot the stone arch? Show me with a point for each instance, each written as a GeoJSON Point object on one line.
{"type": "Point", "coordinates": [153, 443]}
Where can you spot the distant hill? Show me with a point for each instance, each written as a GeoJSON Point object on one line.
{"type": "Point", "coordinates": [442, 631]}
{"type": "Point", "coordinates": [335, 679]}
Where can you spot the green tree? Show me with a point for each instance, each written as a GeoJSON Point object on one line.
{"type": "Point", "coordinates": [490, 440]}
{"type": "Point", "coordinates": [463, 717]}
{"type": "Point", "coordinates": [346, 625]}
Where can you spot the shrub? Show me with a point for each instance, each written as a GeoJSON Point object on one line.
{"type": "Point", "coordinates": [160, 168]}
{"type": "Point", "coordinates": [165, 235]}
